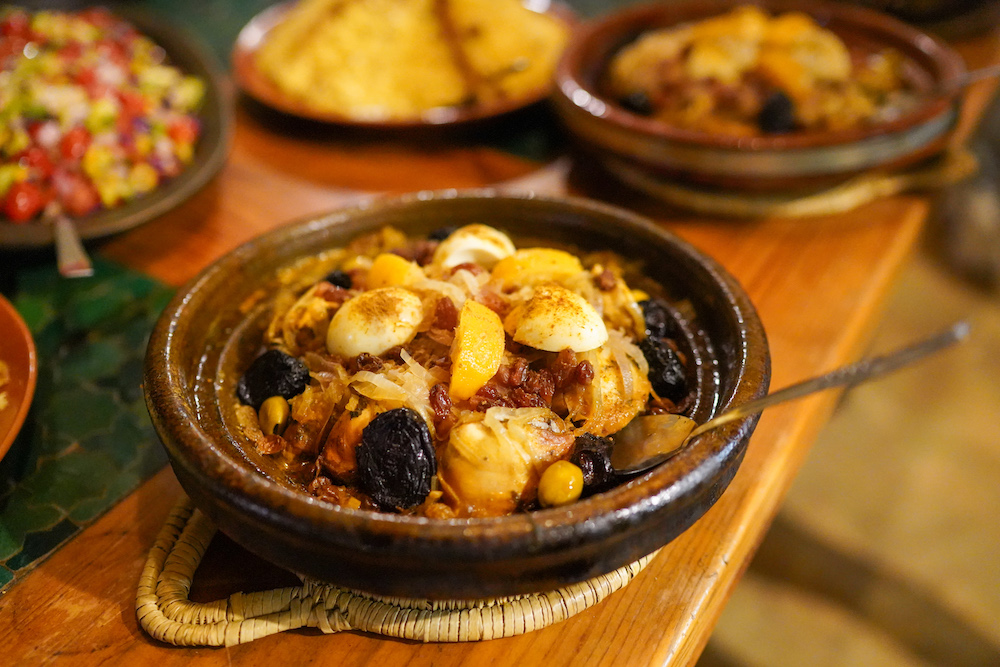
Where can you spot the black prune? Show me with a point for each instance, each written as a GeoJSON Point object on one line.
{"type": "Point", "coordinates": [659, 322]}
{"type": "Point", "coordinates": [592, 454]}
{"type": "Point", "coordinates": [666, 372]}
{"type": "Point", "coordinates": [441, 233]}
{"type": "Point", "coordinates": [396, 461]}
{"type": "Point", "coordinates": [338, 278]}
{"type": "Point", "coordinates": [638, 102]}
{"type": "Point", "coordinates": [777, 115]}
{"type": "Point", "coordinates": [273, 373]}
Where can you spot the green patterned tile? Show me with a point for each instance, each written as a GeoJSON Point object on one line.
{"type": "Point", "coordinates": [87, 441]}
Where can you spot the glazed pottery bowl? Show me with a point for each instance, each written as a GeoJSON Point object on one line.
{"type": "Point", "coordinates": [207, 336]}
{"type": "Point", "coordinates": [17, 352]}
{"type": "Point", "coordinates": [771, 162]}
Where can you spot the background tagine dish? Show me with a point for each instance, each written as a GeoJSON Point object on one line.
{"type": "Point", "coordinates": [219, 325]}
{"type": "Point", "coordinates": [779, 96]}
{"type": "Point", "coordinates": [747, 73]}
{"type": "Point", "coordinates": [456, 375]}
{"type": "Point", "coordinates": [378, 61]}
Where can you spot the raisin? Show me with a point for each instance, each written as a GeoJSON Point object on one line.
{"type": "Point", "coordinates": [666, 371]}
{"type": "Point", "coordinates": [339, 279]}
{"type": "Point", "coordinates": [441, 233]}
{"type": "Point", "coordinates": [638, 102]}
{"type": "Point", "coordinates": [659, 322]}
{"type": "Point", "coordinates": [445, 314]}
{"type": "Point", "coordinates": [777, 115]}
{"type": "Point", "coordinates": [396, 460]}
{"type": "Point", "coordinates": [273, 373]}
{"type": "Point", "coordinates": [592, 454]}
{"type": "Point", "coordinates": [606, 280]}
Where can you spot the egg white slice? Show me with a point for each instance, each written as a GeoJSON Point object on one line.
{"type": "Point", "coordinates": [374, 322]}
{"type": "Point", "coordinates": [556, 318]}
{"type": "Point", "coordinates": [478, 244]}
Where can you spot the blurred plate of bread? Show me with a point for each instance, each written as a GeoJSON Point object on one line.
{"type": "Point", "coordinates": [390, 63]}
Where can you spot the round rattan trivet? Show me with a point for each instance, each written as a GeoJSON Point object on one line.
{"type": "Point", "coordinates": [948, 168]}
{"type": "Point", "coordinates": [165, 612]}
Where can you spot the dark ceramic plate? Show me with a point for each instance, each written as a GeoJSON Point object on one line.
{"type": "Point", "coordinates": [210, 152]}
{"type": "Point", "coordinates": [17, 350]}
{"type": "Point", "coordinates": [258, 86]}
{"type": "Point", "coordinates": [204, 340]}
{"type": "Point", "coordinates": [774, 162]}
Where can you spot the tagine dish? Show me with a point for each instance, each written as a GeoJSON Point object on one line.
{"type": "Point", "coordinates": [444, 374]}
{"type": "Point", "coordinates": [772, 95]}
{"type": "Point", "coordinates": [747, 73]}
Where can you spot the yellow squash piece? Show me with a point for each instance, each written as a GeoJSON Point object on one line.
{"type": "Point", "coordinates": [477, 350]}
{"type": "Point", "coordinates": [532, 265]}
{"type": "Point", "coordinates": [389, 270]}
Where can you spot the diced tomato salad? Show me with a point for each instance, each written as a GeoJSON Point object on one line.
{"type": "Point", "coordinates": [91, 114]}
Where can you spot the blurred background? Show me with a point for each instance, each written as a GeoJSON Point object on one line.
{"type": "Point", "coordinates": [886, 549]}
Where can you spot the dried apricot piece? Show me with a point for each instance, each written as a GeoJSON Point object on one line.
{"type": "Point", "coordinates": [477, 350]}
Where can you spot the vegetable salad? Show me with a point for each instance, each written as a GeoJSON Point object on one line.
{"type": "Point", "coordinates": [91, 114]}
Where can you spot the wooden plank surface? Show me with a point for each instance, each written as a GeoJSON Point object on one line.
{"type": "Point", "coordinates": [818, 285]}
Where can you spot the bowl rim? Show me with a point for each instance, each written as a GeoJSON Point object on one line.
{"type": "Point", "coordinates": [192, 449]}
{"type": "Point", "coordinates": [605, 35]}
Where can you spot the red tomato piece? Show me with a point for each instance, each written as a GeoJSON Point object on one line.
{"type": "Point", "coordinates": [16, 24]}
{"type": "Point", "coordinates": [183, 130]}
{"type": "Point", "coordinates": [100, 17]}
{"type": "Point", "coordinates": [23, 201]}
{"type": "Point", "coordinates": [37, 159]}
{"type": "Point", "coordinates": [75, 193]}
{"type": "Point", "coordinates": [75, 143]}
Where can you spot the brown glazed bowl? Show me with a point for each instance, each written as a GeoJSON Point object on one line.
{"type": "Point", "coordinates": [204, 340]}
{"type": "Point", "coordinates": [775, 162]}
{"type": "Point", "coordinates": [17, 351]}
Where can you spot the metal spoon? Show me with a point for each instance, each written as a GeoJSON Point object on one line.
{"type": "Point", "coordinates": [650, 440]}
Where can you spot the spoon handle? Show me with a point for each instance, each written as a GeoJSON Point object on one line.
{"type": "Point", "coordinates": [71, 258]}
{"type": "Point", "coordinates": [849, 375]}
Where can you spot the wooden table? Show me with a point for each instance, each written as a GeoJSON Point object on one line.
{"type": "Point", "coordinates": [818, 284]}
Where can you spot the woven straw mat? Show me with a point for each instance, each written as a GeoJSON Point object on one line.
{"type": "Point", "coordinates": [167, 614]}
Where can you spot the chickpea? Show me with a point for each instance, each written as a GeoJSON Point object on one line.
{"type": "Point", "coordinates": [273, 416]}
{"type": "Point", "coordinates": [561, 484]}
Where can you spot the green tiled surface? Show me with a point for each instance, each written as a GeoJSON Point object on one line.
{"type": "Point", "coordinates": [87, 440]}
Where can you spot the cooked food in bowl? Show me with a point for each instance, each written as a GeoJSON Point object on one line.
{"type": "Point", "coordinates": [748, 72]}
{"type": "Point", "coordinates": [217, 326]}
{"type": "Point", "coordinates": [91, 114]}
{"type": "Point", "coordinates": [455, 375]}
{"type": "Point", "coordinates": [375, 60]}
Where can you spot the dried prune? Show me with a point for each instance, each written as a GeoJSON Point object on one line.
{"type": "Point", "coordinates": [659, 322]}
{"type": "Point", "coordinates": [339, 278]}
{"type": "Point", "coordinates": [396, 460]}
{"type": "Point", "coordinates": [666, 371]}
{"type": "Point", "coordinates": [593, 456]}
{"type": "Point", "coordinates": [638, 102]}
{"type": "Point", "coordinates": [273, 373]}
{"type": "Point", "coordinates": [441, 233]}
{"type": "Point", "coordinates": [777, 115]}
